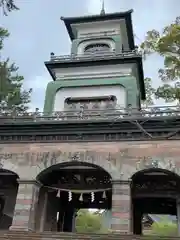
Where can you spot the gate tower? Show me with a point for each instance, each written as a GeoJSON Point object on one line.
{"type": "Point", "coordinates": [93, 146]}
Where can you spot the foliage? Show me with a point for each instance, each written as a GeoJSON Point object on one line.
{"type": "Point", "coordinates": [150, 91]}
{"type": "Point", "coordinates": [88, 222]}
{"type": "Point", "coordinates": [164, 228]}
{"type": "Point", "coordinates": [8, 6]}
{"type": "Point", "coordinates": [12, 97]}
{"type": "Point", "coordinates": [167, 45]}
{"type": "Point", "coordinates": [169, 92]}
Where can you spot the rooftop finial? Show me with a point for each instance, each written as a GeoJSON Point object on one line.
{"type": "Point", "coordinates": [103, 8]}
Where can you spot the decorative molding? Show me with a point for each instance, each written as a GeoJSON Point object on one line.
{"type": "Point", "coordinates": [29, 181]}
{"type": "Point", "coordinates": [150, 163]}
{"type": "Point", "coordinates": [82, 137]}
{"type": "Point", "coordinates": [93, 72]}
{"type": "Point", "coordinates": [94, 75]}
{"type": "Point", "coordinates": [121, 127]}
{"type": "Point", "coordinates": [85, 43]}
{"type": "Point", "coordinates": [121, 182]}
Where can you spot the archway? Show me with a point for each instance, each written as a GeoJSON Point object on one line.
{"type": "Point", "coordinates": [68, 187]}
{"type": "Point", "coordinates": [8, 194]}
{"type": "Point", "coordinates": [153, 191]}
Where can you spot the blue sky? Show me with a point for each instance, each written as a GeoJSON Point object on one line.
{"type": "Point", "coordinates": [36, 30]}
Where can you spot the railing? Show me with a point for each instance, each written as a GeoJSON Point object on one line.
{"type": "Point", "coordinates": [95, 56]}
{"type": "Point", "coordinates": [96, 115]}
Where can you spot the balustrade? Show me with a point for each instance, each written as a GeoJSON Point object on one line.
{"type": "Point", "coordinates": [95, 56]}
{"type": "Point", "coordinates": [93, 114]}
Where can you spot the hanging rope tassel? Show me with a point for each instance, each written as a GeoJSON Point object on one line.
{"type": "Point", "coordinates": [69, 196]}
{"type": "Point", "coordinates": [92, 196]}
{"type": "Point", "coordinates": [81, 197]}
{"type": "Point", "coordinates": [104, 195]}
{"type": "Point", "coordinates": [58, 193]}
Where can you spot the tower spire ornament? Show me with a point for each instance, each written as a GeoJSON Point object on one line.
{"type": "Point", "coordinates": [103, 9]}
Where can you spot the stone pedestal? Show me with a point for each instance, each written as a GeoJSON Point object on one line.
{"type": "Point", "coordinates": [121, 202]}
{"type": "Point", "coordinates": [26, 206]}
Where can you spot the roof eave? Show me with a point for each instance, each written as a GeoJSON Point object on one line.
{"type": "Point", "coordinates": [47, 64]}
{"type": "Point", "coordinates": [68, 21]}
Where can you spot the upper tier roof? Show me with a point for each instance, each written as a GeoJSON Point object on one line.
{"type": "Point", "coordinates": [101, 17]}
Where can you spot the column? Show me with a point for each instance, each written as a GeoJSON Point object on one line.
{"type": "Point", "coordinates": [52, 207]}
{"type": "Point", "coordinates": [26, 205]}
{"type": "Point", "coordinates": [121, 202]}
{"type": "Point", "coordinates": [178, 215]}
{"type": "Point", "coordinates": [43, 211]}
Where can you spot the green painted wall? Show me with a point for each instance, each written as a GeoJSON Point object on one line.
{"type": "Point", "coordinates": [129, 82]}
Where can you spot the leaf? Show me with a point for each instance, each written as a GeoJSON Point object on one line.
{"type": "Point", "coordinates": [150, 91]}
{"type": "Point", "coordinates": [8, 6]}
{"type": "Point", "coordinates": [87, 222]}
{"type": "Point", "coordinates": [167, 45]}
{"type": "Point", "coordinates": [12, 96]}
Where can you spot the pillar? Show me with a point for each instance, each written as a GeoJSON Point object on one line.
{"type": "Point", "coordinates": [178, 215]}
{"type": "Point", "coordinates": [121, 202]}
{"type": "Point", "coordinates": [26, 206]}
{"type": "Point", "coordinates": [50, 223]}
{"type": "Point", "coordinates": [43, 212]}
{"type": "Point", "coordinates": [137, 225]}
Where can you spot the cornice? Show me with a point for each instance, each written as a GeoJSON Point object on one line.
{"type": "Point", "coordinates": [91, 131]}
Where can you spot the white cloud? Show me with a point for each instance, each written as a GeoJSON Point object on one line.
{"type": "Point", "coordinates": [38, 84]}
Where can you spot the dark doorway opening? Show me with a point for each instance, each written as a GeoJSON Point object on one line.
{"type": "Point", "coordinates": [153, 191]}
{"type": "Point", "coordinates": [70, 187]}
{"type": "Point", "coordinates": [8, 194]}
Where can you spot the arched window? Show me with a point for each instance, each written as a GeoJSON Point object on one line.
{"type": "Point", "coordinates": [97, 47]}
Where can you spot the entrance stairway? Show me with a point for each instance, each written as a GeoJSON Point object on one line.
{"type": "Point", "coordinates": [16, 235]}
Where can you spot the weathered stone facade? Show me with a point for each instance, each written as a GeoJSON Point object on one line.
{"type": "Point", "coordinates": [120, 159]}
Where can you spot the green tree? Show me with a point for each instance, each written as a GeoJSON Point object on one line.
{"type": "Point", "coordinates": [12, 96]}
{"type": "Point", "coordinates": [167, 45]}
{"type": "Point", "coordinates": [8, 6]}
{"type": "Point", "coordinates": [87, 222]}
{"type": "Point", "coordinates": [150, 91]}
{"type": "Point", "coordinates": [164, 228]}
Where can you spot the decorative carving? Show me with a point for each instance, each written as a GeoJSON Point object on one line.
{"type": "Point", "coordinates": [76, 157]}
{"type": "Point", "coordinates": [43, 160]}
{"type": "Point", "coordinates": [155, 187]}
{"type": "Point", "coordinates": [83, 178]}
{"type": "Point", "coordinates": [149, 162]}
{"type": "Point", "coordinates": [97, 47]}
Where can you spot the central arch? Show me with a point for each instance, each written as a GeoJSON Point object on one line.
{"type": "Point", "coordinates": [68, 187]}
{"type": "Point", "coordinates": [153, 191]}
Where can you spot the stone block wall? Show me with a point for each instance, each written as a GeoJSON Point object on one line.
{"type": "Point", "coordinates": [120, 159]}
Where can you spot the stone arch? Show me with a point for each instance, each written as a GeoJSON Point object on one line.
{"type": "Point", "coordinates": [5, 170]}
{"type": "Point", "coordinates": [154, 190]}
{"type": "Point", "coordinates": [11, 167]}
{"type": "Point", "coordinates": [68, 164]}
{"type": "Point", "coordinates": [150, 164]}
{"type": "Point", "coordinates": [96, 159]}
{"type": "Point", "coordinates": [156, 170]}
{"type": "Point", "coordinates": [81, 179]}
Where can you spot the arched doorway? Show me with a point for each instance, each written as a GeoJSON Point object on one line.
{"type": "Point", "coordinates": [8, 194]}
{"type": "Point", "coordinates": [153, 191]}
{"type": "Point", "coordinates": [68, 187]}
